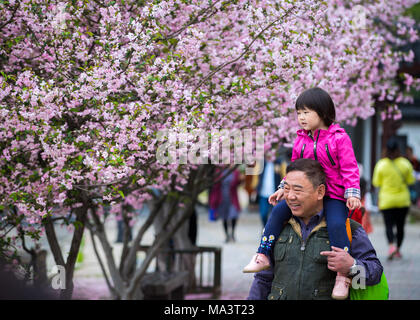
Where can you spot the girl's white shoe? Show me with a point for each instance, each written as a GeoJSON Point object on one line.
{"type": "Point", "coordinates": [259, 262]}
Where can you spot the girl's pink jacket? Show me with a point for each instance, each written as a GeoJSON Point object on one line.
{"type": "Point", "coordinates": [333, 149]}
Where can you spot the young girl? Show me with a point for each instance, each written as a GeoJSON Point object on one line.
{"type": "Point", "coordinates": [328, 143]}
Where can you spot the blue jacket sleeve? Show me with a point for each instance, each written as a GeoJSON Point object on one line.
{"type": "Point", "coordinates": [261, 286]}
{"type": "Point", "coordinates": [362, 250]}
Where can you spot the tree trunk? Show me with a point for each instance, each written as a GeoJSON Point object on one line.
{"type": "Point", "coordinates": [167, 216]}
{"type": "Point", "coordinates": [97, 227]}
{"type": "Point", "coordinates": [185, 261]}
{"type": "Point", "coordinates": [81, 217]}
{"type": "Point", "coordinates": [40, 268]}
{"type": "Point", "coordinates": [166, 233]}
{"type": "Point", "coordinates": [164, 260]}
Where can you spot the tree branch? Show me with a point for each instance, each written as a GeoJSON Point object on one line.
{"type": "Point", "coordinates": [129, 261]}
{"type": "Point", "coordinates": [246, 49]}
{"type": "Point", "coordinates": [110, 287]}
{"type": "Point", "coordinates": [53, 242]}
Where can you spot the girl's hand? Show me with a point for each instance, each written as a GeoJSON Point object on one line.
{"type": "Point", "coordinates": [276, 196]}
{"type": "Point", "coordinates": [353, 203]}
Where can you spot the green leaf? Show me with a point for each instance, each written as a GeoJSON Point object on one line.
{"type": "Point", "coordinates": [77, 224]}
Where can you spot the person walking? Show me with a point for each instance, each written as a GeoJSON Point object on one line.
{"type": "Point", "coordinates": [393, 175]}
{"type": "Point", "coordinates": [412, 158]}
{"type": "Point", "coordinates": [267, 182]}
{"type": "Point", "coordinates": [224, 201]}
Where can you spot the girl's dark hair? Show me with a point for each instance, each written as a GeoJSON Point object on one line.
{"type": "Point", "coordinates": [318, 100]}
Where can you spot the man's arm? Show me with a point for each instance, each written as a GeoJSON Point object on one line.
{"type": "Point", "coordinates": [261, 286]}
{"type": "Point", "coordinates": [362, 250]}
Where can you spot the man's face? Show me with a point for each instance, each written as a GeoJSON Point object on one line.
{"type": "Point", "coordinates": [303, 199]}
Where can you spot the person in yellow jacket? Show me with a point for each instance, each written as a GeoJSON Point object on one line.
{"type": "Point", "coordinates": [392, 175]}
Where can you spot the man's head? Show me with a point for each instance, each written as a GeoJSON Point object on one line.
{"type": "Point", "coordinates": [304, 188]}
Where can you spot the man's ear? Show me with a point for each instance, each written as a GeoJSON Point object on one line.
{"type": "Point", "coordinates": [321, 191]}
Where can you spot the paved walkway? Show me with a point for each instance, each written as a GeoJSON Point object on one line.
{"type": "Point", "coordinates": [403, 275]}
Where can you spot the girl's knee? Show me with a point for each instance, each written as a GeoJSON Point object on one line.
{"type": "Point", "coordinates": [282, 210]}
{"type": "Point", "coordinates": [281, 206]}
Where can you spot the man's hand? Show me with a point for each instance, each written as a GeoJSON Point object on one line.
{"type": "Point", "coordinates": [338, 260]}
{"type": "Point", "coordinates": [353, 203]}
{"type": "Point", "coordinates": [276, 196]}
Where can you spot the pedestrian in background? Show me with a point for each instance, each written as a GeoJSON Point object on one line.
{"type": "Point", "coordinates": [224, 200]}
{"type": "Point", "coordinates": [268, 180]}
{"type": "Point", "coordinates": [393, 175]}
{"type": "Point", "coordinates": [250, 186]}
{"type": "Point", "coordinates": [412, 158]}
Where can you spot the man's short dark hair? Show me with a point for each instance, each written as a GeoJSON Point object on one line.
{"type": "Point", "coordinates": [312, 169]}
{"type": "Point", "coordinates": [320, 101]}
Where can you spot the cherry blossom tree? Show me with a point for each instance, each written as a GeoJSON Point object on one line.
{"type": "Point", "coordinates": [88, 88]}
